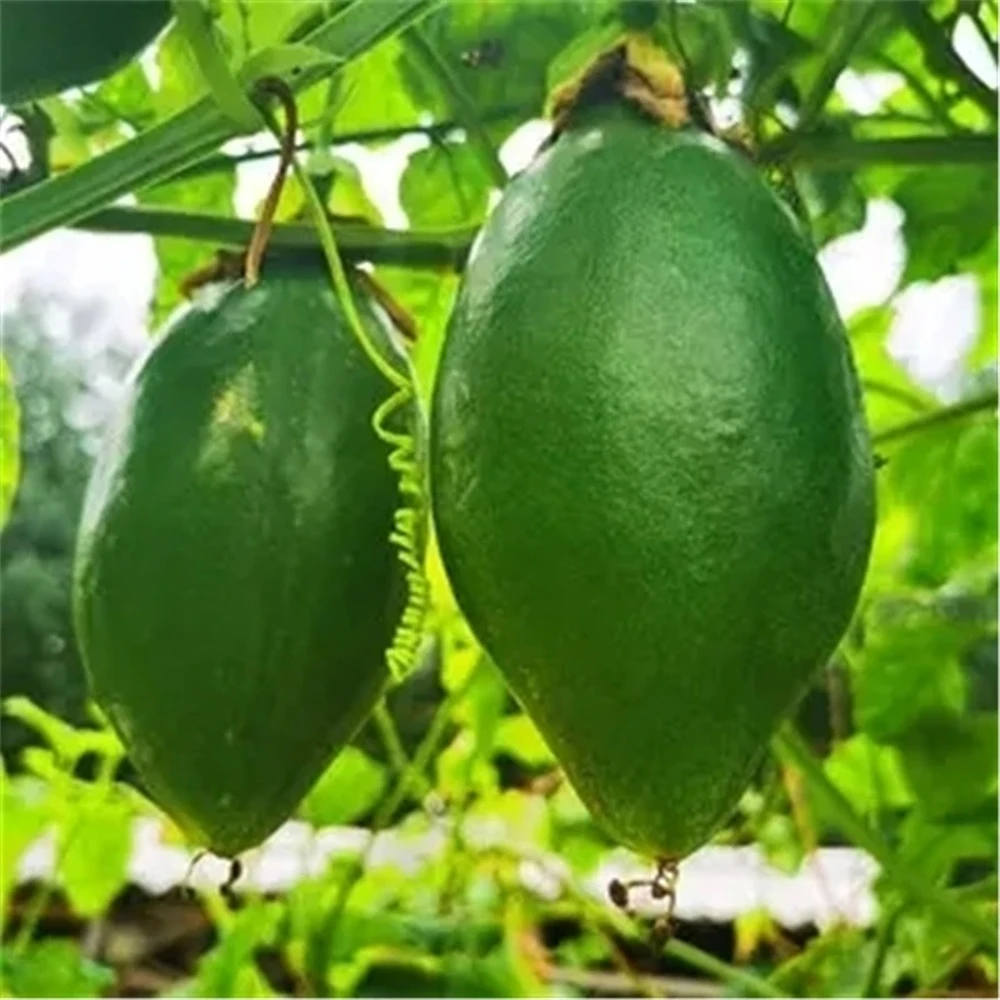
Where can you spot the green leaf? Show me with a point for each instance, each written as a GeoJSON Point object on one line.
{"type": "Point", "coordinates": [869, 775]}
{"type": "Point", "coordinates": [832, 965]}
{"type": "Point", "coordinates": [249, 26]}
{"type": "Point", "coordinates": [54, 968]}
{"type": "Point", "coordinates": [96, 848]}
{"type": "Point", "coordinates": [228, 970]}
{"type": "Point", "coordinates": [348, 196]}
{"type": "Point", "coordinates": [946, 477]}
{"type": "Point", "coordinates": [26, 811]}
{"type": "Point", "coordinates": [950, 761]}
{"type": "Point", "coordinates": [700, 38]}
{"type": "Point", "coordinates": [580, 53]}
{"type": "Point", "coordinates": [10, 441]}
{"type": "Point", "coordinates": [908, 667]}
{"type": "Point", "coordinates": [212, 193]}
{"type": "Point", "coordinates": [445, 185]}
{"type": "Point", "coordinates": [374, 93]}
{"type": "Point", "coordinates": [951, 214]}
{"type": "Point", "coordinates": [519, 737]}
{"type": "Point", "coordinates": [347, 790]}
{"type": "Point", "coordinates": [482, 707]}
{"type": "Point", "coordinates": [501, 51]}
{"type": "Point", "coordinates": [935, 848]}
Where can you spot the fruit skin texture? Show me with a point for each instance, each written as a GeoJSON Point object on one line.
{"type": "Point", "coordinates": [235, 588]}
{"type": "Point", "coordinates": [650, 470]}
{"type": "Point", "coordinates": [49, 45]}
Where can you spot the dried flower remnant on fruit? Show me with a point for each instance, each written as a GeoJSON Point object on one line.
{"type": "Point", "coordinates": [634, 69]}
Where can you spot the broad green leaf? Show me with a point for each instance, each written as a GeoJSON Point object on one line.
{"type": "Point", "coordinates": [228, 970]}
{"type": "Point", "coordinates": [951, 214]}
{"type": "Point", "coordinates": [347, 790]}
{"type": "Point", "coordinates": [483, 705]}
{"type": "Point", "coordinates": [26, 812]}
{"type": "Point", "coordinates": [983, 265]}
{"type": "Point", "coordinates": [700, 39]}
{"type": "Point", "coordinates": [10, 441]}
{"type": "Point", "coordinates": [832, 965]}
{"type": "Point", "coordinates": [445, 185]}
{"type": "Point", "coordinates": [501, 52]}
{"type": "Point", "coordinates": [909, 666]}
{"type": "Point", "coordinates": [54, 968]}
{"type": "Point", "coordinates": [373, 93]}
{"type": "Point", "coordinates": [868, 775]}
{"type": "Point", "coordinates": [129, 97]}
{"type": "Point", "coordinates": [581, 52]}
{"type": "Point", "coordinates": [935, 848]}
{"type": "Point", "coordinates": [180, 81]}
{"type": "Point", "coordinates": [891, 396]}
{"type": "Point", "coordinates": [96, 845]}
{"type": "Point", "coordinates": [950, 761]}
{"type": "Point", "coordinates": [947, 476]}
{"type": "Point", "coordinates": [462, 769]}
{"type": "Point", "coordinates": [348, 196]}
{"type": "Point", "coordinates": [212, 193]}
{"type": "Point", "coordinates": [250, 26]}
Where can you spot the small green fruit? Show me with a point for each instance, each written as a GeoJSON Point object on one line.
{"type": "Point", "coordinates": [235, 587]}
{"type": "Point", "coordinates": [47, 46]}
{"type": "Point", "coordinates": [650, 470]}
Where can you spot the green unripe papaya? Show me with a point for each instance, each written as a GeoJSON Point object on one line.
{"type": "Point", "coordinates": [49, 45]}
{"type": "Point", "coordinates": [650, 470]}
{"type": "Point", "coordinates": [235, 586]}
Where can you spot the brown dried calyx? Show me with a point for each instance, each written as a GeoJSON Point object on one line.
{"type": "Point", "coordinates": [635, 70]}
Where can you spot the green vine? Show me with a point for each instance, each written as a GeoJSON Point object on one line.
{"type": "Point", "coordinates": [403, 460]}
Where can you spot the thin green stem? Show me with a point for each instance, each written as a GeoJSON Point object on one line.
{"type": "Point", "coordinates": [941, 56]}
{"type": "Point", "coordinates": [187, 137]}
{"type": "Point", "coordinates": [323, 937]}
{"type": "Point", "coordinates": [436, 130]}
{"type": "Point", "coordinates": [357, 241]}
{"type": "Point", "coordinates": [199, 33]}
{"type": "Point", "coordinates": [824, 152]}
{"type": "Point", "coordinates": [947, 414]}
{"type": "Point", "coordinates": [989, 39]}
{"type": "Point", "coordinates": [935, 108]}
{"type": "Point", "coordinates": [463, 106]}
{"type": "Point", "coordinates": [883, 942]}
{"type": "Point", "coordinates": [911, 399]}
{"type": "Point", "coordinates": [748, 982]}
{"type": "Point", "coordinates": [389, 734]}
{"type": "Point", "coordinates": [794, 751]}
{"type": "Point", "coordinates": [860, 14]}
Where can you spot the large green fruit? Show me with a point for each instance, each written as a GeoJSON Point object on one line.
{"type": "Point", "coordinates": [235, 588]}
{"type": "Point", "coordinates": [49, 45]}
{"type": "Point", "coordinates": [650, 470]}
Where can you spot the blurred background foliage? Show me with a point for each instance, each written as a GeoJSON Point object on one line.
{"type": "Point", "coordinates": [486, 877]}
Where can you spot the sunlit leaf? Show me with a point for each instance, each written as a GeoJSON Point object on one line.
{"type": "Point", "coordinates": [348, 789]}
{"type": "Point", "coordinates": [54, 968]}
{"type": "Point", "coordinates": [96, 845]}
{"type": "Point", "coordinates": [445, 185]}
{"type": "Point", "coordinates": [10, 441]}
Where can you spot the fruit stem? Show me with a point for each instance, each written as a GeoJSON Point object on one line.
{"type": "Point", "coordinates": [262, 231]}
